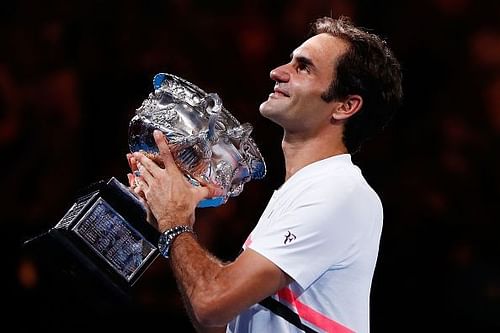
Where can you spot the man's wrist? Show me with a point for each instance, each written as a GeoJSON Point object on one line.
{"type": "Point", "coordinates": [168, 236]}
{"type": "Point", "coordinates": [170, 221]}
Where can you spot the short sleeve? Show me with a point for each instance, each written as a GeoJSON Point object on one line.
{"type": "Point", "coordinates": [318, 229]}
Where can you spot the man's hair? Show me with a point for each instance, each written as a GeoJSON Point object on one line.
{"type": "Point", "coordinates": [369, 69]}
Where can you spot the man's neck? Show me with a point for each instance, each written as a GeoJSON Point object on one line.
{"type": "Point", "coordinates": [300, 151]}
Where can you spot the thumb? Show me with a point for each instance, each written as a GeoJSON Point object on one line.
{"type": "Point", "coordinates": [208, 191]}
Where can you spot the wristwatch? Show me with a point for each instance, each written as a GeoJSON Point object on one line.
{"type": "Point", "coordinates": [168, 236]}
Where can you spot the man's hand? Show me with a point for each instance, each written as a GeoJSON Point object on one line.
{"type": "Point", "coordinates": [132, 163]}
{"type": "Point", "coordinates": [171, 197]}
{"type": "Point", "coordinates": [132, 183]}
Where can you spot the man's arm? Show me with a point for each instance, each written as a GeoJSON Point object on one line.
{"type": "Point", "coordinates": [216, 292]}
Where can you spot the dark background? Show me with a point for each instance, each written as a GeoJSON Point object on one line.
{"type": "Point", "coordinates": [73, 72]}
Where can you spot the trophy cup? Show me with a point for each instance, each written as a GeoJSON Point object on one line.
{"type": "Point", "coordinates": [106, 228]}
{"type": "Point", "coordinates": [208, 144]}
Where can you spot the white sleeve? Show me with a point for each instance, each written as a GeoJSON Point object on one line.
{"type": "Point", "coordinates": [321, 228]}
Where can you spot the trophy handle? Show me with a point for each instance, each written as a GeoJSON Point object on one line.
{"type": "Point", "coordinates": [159, 79]}
{"type": "Point", "coordinates": [213, 105]}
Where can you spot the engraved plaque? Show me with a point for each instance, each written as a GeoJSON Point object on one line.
{"type": "Point", "coordinates": [106, 231]}
{"type": "Point", "coordinates": [114, 239]}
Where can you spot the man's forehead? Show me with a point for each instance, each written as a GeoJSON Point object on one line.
{"type": "Point", "coordinates": [321, 46]}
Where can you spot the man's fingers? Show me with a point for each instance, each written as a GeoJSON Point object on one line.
{"type": "Point", "coordinates": [214, 191]}
{"type": "Point", "coordinates": [147, 164]}
{"type": "Point", "coordinates": [131, 180]}
{"type": "Point", "coordinates": [145, 174]}
{"type": "Point", "coordinates": [208, 191]}
{"type": "Point", "coordinates": [139, 193]}
{"type": "Point", "coordinates": [132, 162]}
{"type": "Point", "coordinates": [201, 193]}
{"type": "Point", "coordinates": [165, 153]}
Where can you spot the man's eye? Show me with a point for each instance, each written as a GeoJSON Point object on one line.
{"type": "Point", "coordinates": [303, 67]}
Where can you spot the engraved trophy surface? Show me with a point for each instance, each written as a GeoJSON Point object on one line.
{"type": "Point", "coordinates": [106, 231]}
{"type": "Point", "coordinates": [207, 142]}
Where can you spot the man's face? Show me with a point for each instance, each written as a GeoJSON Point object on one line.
{"type": "Point", "coordinates": [296, 102]}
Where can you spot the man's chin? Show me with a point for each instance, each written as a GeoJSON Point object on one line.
{"type": "Point", "coordinates": [270, 114]}
{"type": "Point", "coordinates": [266, 109]}
{"type": "Point", "coordinates": [263, 108]}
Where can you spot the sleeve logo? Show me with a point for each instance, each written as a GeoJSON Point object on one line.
{"type": "Point", "coordinates": [289, 237]}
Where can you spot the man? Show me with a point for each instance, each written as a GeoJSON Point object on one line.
{"type": "Point", "coordinates": [315, 247]}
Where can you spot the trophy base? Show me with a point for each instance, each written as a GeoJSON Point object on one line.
{"type": "Point", "coordinates": [103, 244]}
{"type": "Point", "coordinates": [68, 275]}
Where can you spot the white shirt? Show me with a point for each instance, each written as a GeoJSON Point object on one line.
{"type": "Point", "coordinates": [322, 228]}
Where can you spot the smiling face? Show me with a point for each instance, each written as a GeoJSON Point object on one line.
{"type": "Point", "coordinates": [296, 103]}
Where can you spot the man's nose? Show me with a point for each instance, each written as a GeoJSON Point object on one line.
{"type": "Point", "coordinates": [280, 74]}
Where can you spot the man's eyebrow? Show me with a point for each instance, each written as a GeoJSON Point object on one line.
{"type": "Point", "coordinates": [303, 60]}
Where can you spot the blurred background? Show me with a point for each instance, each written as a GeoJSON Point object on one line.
{"type": "Point", "coordinates": [72, 74]}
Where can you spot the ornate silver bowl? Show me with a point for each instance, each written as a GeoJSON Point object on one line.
{"type": "Point", "coordinates": [208, 143]}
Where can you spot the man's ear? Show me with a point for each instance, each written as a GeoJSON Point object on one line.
{"type": "Point", "coordinates": [347, 108]}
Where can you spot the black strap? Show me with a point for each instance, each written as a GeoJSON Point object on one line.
{"type": "Point", "coordinates": [285, 312]}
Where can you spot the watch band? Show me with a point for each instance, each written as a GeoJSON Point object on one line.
{"type": "Point", "coordinates": [168, 236]}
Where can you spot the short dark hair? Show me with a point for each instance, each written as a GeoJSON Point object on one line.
{"type": "Point", "coordinates": [369, 69]}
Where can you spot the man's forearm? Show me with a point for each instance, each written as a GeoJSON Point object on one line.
{"type": "Point", "coordinates": [217, 292]}
{"type": "Point", "coordinates": [199, 327]}
{"type": "Point", "coordinates": [196, 272]}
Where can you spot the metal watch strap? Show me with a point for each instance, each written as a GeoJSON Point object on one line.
{"type": "Point", "coordinates": [168, 237]}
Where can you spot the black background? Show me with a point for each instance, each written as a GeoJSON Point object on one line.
{"type": "Point", "coordinates": [73, 72]}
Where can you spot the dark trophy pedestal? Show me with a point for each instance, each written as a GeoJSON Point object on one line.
{"type": "Point", "coordinates": [103, 242]}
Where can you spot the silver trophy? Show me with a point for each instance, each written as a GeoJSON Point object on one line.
{"type": "Point", "coordinates": [105, 230]}
{"type": "Point", "coordinates": [208, 144]}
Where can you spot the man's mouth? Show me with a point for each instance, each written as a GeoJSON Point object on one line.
{"type": "Point", "coordinates": [280, 92]}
